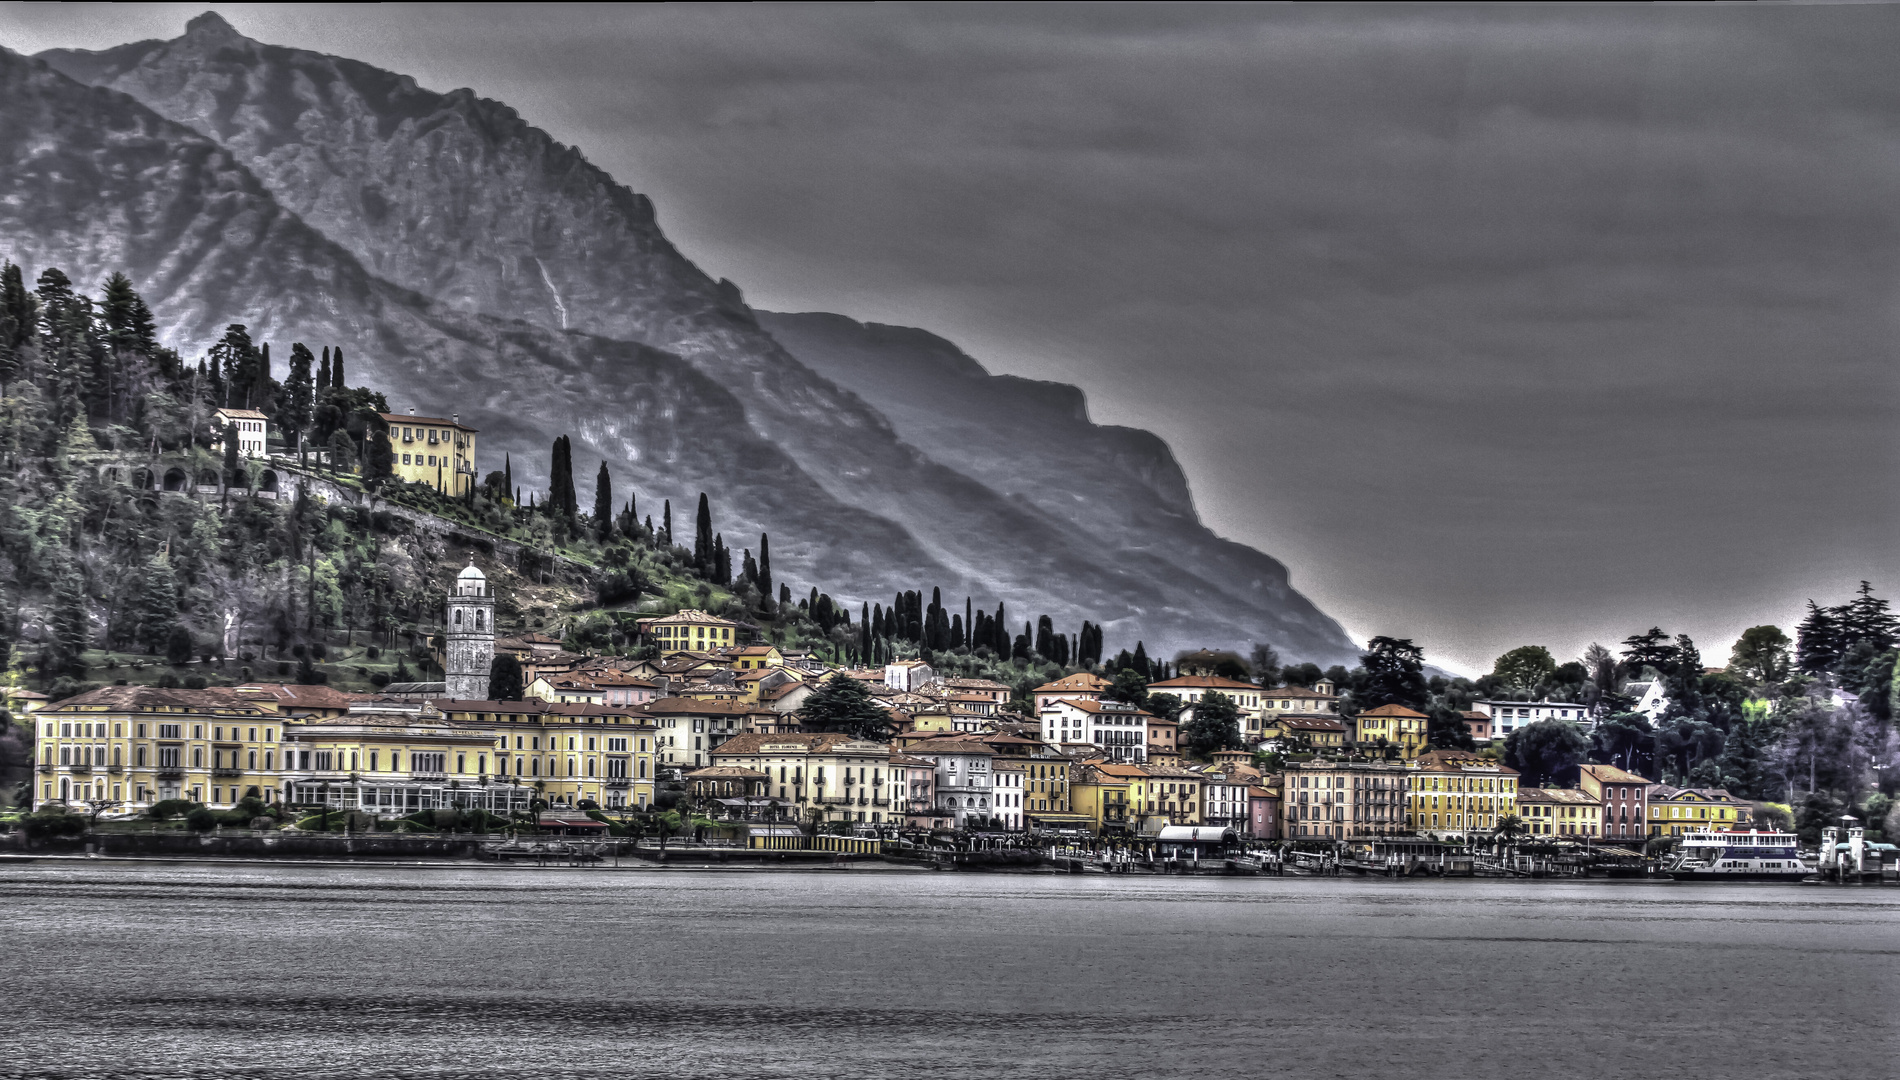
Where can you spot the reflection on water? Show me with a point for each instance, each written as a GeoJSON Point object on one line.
{"type": "Point", "coordinates": [192, 971]}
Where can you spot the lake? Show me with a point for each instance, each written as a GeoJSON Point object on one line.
{"type": "Point", "coordinates": [162, 970]}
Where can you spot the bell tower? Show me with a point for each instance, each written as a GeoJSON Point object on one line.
{"type": "Point", "coordinates": [470, 632]}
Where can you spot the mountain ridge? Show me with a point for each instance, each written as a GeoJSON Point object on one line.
{"type": "Point", "coordinates": [410, 183]}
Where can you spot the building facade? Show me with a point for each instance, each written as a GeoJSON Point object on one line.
{"type": "Point", "coordinates": [1341, 799]}
{"type": "Point", "coordinates": [433, 451]}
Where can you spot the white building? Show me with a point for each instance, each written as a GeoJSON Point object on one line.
{"type": "Point", "coordinates": [1650, 699]}
{"type": "Point", "coordinates": [1006, 792]}
{"type": "Point", "coordinates": [964, 781]}
{"type": "Point", "coordinates": [1120, 729]}
{"type": "Point", "coordinates": [1508, 716]}
{"type": "Point", "coordinates": [250, 430]}
{"type": "Point", "coordinates": [908, 676]}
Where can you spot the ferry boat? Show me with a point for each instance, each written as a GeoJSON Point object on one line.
{"type": "Point", "coordinates": [1737, 856]}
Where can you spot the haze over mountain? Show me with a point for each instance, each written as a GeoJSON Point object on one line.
{"type": "Point", "coordinates": [468, 262]}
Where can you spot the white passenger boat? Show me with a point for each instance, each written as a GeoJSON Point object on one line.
{"type": "Point", "coordinates": [1737, 856]}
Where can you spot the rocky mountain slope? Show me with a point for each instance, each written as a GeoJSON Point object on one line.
{"type": "Point", "coordinates": [477, 218]}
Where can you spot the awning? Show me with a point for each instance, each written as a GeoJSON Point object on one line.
{"type": "Point", "coordinates": [1194, 834]}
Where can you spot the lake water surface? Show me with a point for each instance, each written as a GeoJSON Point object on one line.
{"type": "Point", "coordinates": [124, 970]}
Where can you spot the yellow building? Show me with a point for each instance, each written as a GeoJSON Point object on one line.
{"type": "Point", "coordinates": [835, 776]}
{"type": "Point", "coordinates": [756, 657]}
{"type": "Point", "coordinates": [433, 451]}
{"type": "Point", "coordinates": [1559, 813]}
{"type": "Point", "coordinates": [1454, 791]}
{"type": "Point", "coordinates": [1299, 701]}
{"type": "Point", "coordinates": [1677, 811]}
{"type": "Point", "coordinates": [136, 745]}
{"type": "Point", "coordinates": [1304, 732]}
{"type": "Point", "coordinates": [1392, 725]}
{"type": "Point", "coordinates": [1099, 791]}
{"type": "Point", "coordinates": [1341, 799]}
{"type": "Point", "coordinates": [569, 753]}
{"type": "Point", "coordinates": [1166, 792]}
{"type": "Point", "coordinates": [691, 630]}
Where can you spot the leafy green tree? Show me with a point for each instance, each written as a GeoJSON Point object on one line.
{"type": "Point", "coordinates": [1166, 706]}
{"type": "Point", "coordinates": [1131, 687]}
{"type": "Point", "coordinates": [381, 466]}
{"type": "Point", "coordinates": [1545, 752]}
{"type": "Point", "coordinates": [1525, 666]}
{"type": "Point", "coordinates": [1625, 740]}
{"type": "Point", "coordinates": [1214, 726]}
{"type": "Point", "coordinates": [504, 678]}
{"type": "Point", "coordinates": [843, 704]}
{"type": "Point", "coordinates": [1761, 655]}
{"type": "Point", "coordinates": [1266, 665]}
{"type": "Point", "coordinates": [178, 646]}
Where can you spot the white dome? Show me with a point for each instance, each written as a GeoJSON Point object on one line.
{"type": "Point", "coordinates": [470, 573]}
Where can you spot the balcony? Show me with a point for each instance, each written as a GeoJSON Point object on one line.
{"type": "Point", "coordinates": [169, 772]}
{"type": "Point", "coordinates": [227, 772]}
{"type": "Point", "coordinates": [115, 769]}
{"type": "Point", "coordinates": [430, 777]}
{"type": "Point", "coordinates": [616, 782]}
{"type": "Point", "coordinates": [880, 801]}
{"type": "Point", "coordinates": [80, 769]}
{"type": "Point", "coordinates": [45, 768]}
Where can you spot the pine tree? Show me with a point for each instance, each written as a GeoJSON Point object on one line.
{"type": "Point", "coordinates": [16, 323]}
{"type": "Point", "coordinates": [603, 504]}
{"type": "Point", "coordinates": [703, 539]}
{"type": "Point", "coordinates": [1819, 641]}
{"type": "Point", "coordinates": [157, 605]}
{"type": "Point", "coordinates": [72, 623]}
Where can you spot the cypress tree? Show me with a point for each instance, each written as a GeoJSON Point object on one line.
{"type": "Point", "coordinates": [508, 478]}
{"type": "Point", "coordinates": [864, 631]}
{"type": "Point", "coordinates": [1045, 637]}
{"type": "Point", "coordinates": [666, 522]}
{"type": "Point", "coordinates": [703, 538]}
{"type": "Point", "coordinates": [956, 631]}
{"type": "Point", "coordinates": [1000, 628]}
{"type": "Point", "coordinates": [765, 566]}
{"type": "Point", "coordinates": [784, 595]}
{"type": "Point", "coordinates": [299, 394]}
{"type": "Point", "coordinates": [158, 605]}
{"type": "Point", "coordinates": [336, 370]}
{"type": "Point", "coordinates": [969, 624]}
{"type": "Point", "coordinates": [603, 503]}
{"type": "Point", "coordinates": [749, 568]}
{"type": "Point", "coordinates": [722, 561]}
{"type": "Point", "coordinates": [562, 502]}
{"type": "Point", "coordinates": [323, 373]}
{"type": "Point", "coordinates": [1140, 661]}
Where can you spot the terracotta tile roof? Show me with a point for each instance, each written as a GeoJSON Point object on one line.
{"type": "Point", "coordinates": [750, 742]}
{"type": "Point", "coordinates": [948, 746]}
{"type": "Point", "coordinates": [126, 698]}
{"type": "Point", "coordinates": [682, 706]}
{"type": "Point", "coordinates": [1202, 682]}
{"type": "Point", "coordinates": [1394, 710]}
{"type": "Point", "coordinates": [1083, 681]}
{"type": "Point", "coordinates": [407, 418]}
{"type": "Point", "coordinates": [1298, 692]}
{"type": "Point", "coordinates": [1610, 774]}
{"type": "Point", "coordinates": [726, 772]}
{"type": "Point", "coordinates": [1117, 708]}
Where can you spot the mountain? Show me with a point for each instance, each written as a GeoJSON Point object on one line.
{"type": "Point", "coordinates": [483, 221]}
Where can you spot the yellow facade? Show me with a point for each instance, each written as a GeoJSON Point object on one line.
{"type": "Point", "coordinates": [1680, 811]}
{"type": "Point", "coordinates": [1559, 813]}
{"type": "Point", "coordinates": [569, 753]}
{"type": "Point", "coordinates": [690, 630]}
{"type": "Point", "coordinates": [133, 746]}
{"type": "Point", "coordinates": [1458, 792]}
{"type": "Point", "coordinates": [1100, 792]}
{"type": "Point", "coordinates": [834, 776]}
{"type": "Point", "coordinates": [433, 451]}
{"type": "Point", "coordinates": [1165, 792]}
{"type": "Point", "coordinates": [1393, 726]}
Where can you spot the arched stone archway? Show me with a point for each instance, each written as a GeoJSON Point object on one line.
{"type": "Point", "coordinates": [142, 479]}
{"type": "Point", "coordinates": [208, 478]}
{"type": "Point", "coordinates": [176, 480]}
{"type": "Point", "coordinates": [268, 481]}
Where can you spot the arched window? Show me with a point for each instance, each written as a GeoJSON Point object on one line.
{"type": "Point", "coordinates": [458, 616]}
{"type": "Point", "coordinates": [481, 621]}
{"type": "Point", "coordinates": [141, 757]}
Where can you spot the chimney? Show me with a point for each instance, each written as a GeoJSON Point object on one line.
{"type": "Point", "coordinates": [412, 410]}
{"type": "Point", "coordinates": [455, 418]}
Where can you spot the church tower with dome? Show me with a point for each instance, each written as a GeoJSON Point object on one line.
{"type": "Point", "coordinates": [469, 630]}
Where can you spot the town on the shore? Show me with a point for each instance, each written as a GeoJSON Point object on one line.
{"type": "Point", "coordinates": [726, 729]}
{"type": "Point", "coordinates": [178, 531]}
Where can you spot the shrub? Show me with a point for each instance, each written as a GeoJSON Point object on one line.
{"type": "Point", "coordinates": [194, 682]}
{"type": "Point", "coordinates": [372, 652]}
{"type": "Point", "coordinates": [53, 821]}
{"type": "Point", "coordinates": [201, 819]}
{"type": "Point", "coordinates": [170, 808]}
{"type": "Point", "coordinates": [283, 667]}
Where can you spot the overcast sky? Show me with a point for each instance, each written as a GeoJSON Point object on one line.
{"type": "Point", "coordinates": [1498, 325]}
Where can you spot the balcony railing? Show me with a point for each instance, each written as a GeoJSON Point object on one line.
{"type": "Point", "coordinates": [80, 768]}
{"type": "Point", "coordinates": [115, 769]}
{"type": "Point", "coordinates": [434, 777]}
{"type": "Point", "coordinates": [617, 782]}
{"type": "Point", "coordinates": [227, 772]}
{"type": "Point", "coordinates": [45, 768]}
{"type": "Point", "coordinates": [169, 772]}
